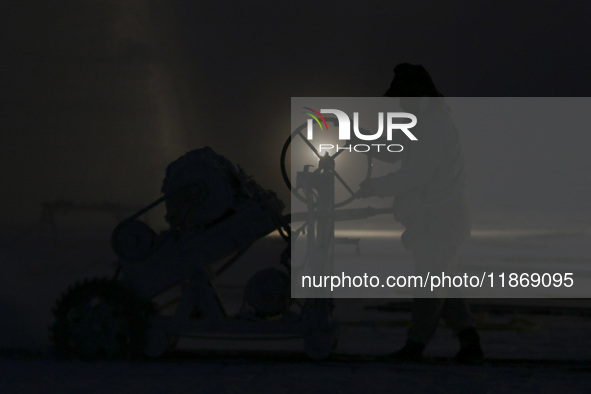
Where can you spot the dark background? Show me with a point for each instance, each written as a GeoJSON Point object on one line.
{"type": "Point", "coordinates": [99, 96]}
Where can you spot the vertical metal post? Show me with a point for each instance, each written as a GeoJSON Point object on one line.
{"type": "Point", "coordinates": [325, 213]}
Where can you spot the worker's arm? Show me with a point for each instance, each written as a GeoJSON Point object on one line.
{"type": "Point", "coordinates": [398, 138]}
{"type": "Point", "coordinates": [420, 162]}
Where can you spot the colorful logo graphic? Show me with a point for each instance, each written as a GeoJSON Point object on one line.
{"type": "Point", "coordinates": [315, 118]}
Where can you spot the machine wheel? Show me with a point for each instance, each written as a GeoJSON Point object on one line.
{"type": "Point", "coordinates": [298, 133]}
{"type": "Point", "coordinates": [133, 240]}
{"type": "Point", "coordinates": [99, 319]}
{"type": "Point", "coordinates": [268, 292]}
{"type": "Point", "coordinates": [319, 344]}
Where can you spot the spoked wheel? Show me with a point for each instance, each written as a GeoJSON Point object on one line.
{"type": "Point", "coordinates": [99, 319]}
{"type": "Point", "coordinates": [298, 133]}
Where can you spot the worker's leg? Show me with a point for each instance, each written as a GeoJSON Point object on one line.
{"type": "Point", "coordinates": [456, 313]}
{"type": "Point", "coordinates": [426, 313]}
{"type": "Point", "coordinates": [432, 257]}
{"type": "Point", "coordinates": [433, 236]}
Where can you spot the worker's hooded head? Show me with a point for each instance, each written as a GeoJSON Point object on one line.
{"type": "Point", "coordinates": [412, 80]}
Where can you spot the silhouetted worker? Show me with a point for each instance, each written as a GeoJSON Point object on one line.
{"type": "Point", "coordinates": [430, 202]}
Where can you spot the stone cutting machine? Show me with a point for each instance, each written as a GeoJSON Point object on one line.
{"type": "Point", "coordinates": [215, 211]}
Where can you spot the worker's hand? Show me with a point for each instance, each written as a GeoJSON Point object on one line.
{"type": "Point", "coordinates": [365, 189]}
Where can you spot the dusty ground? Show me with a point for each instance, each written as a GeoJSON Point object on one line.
{"type": "Point", "coordinates": [526, 353]}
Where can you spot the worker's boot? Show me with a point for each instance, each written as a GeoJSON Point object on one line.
{"type": "Point", "coordinates": [411, 351]}
{"type": "Point", "coordinates": [470, 350]}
